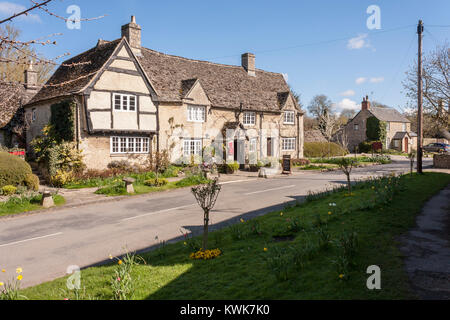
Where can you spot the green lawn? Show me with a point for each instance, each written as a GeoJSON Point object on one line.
{"type": "Point", "coordinates": [23, 204]}
{"type": "Point", "coordinates": [246, 271]}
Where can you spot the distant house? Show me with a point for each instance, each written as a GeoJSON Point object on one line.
{"type": "Point", "coordinates": [131, 101]}
{"type": "Point", "coordinates": [398, 128]}
{"type": "Point", "coordinates": [13, 97]}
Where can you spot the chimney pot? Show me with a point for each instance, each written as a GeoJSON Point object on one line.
{"type": "Point", "coordinates": [132, 32]}
{"type": "Point", "coordinates": [30, 78]}
{"type": "Point", "coordinates": [365, 104]}
{"type": "Point", "coordinates": [248, 63]}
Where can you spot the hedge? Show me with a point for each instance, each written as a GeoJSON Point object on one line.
{"type": "Point", "coordinates": [13, 170]}
{"type": "Point", "coordinates": [323, 149]}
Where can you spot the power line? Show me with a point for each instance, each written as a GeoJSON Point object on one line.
{"type": "Point", "coordinates": [315, 43]}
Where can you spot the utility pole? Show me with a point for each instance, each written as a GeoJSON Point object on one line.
{"type": "Point", "coordinates": [419, 101]}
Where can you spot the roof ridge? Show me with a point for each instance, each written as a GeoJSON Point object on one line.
{"type": "Point", "coordinates": [205, 61]}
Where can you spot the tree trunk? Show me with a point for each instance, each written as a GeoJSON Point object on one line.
{"type": "Point", "coordinates": [349, 185]}
{"type": "Point", "coordinates": [205, 230]}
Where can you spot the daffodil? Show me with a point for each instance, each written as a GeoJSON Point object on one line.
{"type": "Point", "coordinates": [3, 270]}
{"type": "Point", "coordinates": [281, 213]}
{"type": "Point", "coordinates": [1, 284]}
{"type": "Point", "coordinates": [242, 220]}
{"type": "Point", "coordinates": [329, 212]}
{"type": "Point", "coordinates": [19, 270]}
{"type": "Point", "coordinates": [185, 243]}
{"type": "Point", "coordinates": [119, 262]}
{"type": "Point", "coordinates": [110, 257]}
{"type": "Point", "coordinates": [341, 276]}
{"type": "Point", "coordinates": [19, 277]}
{"type": "Point", "coordinates": [265, 249]}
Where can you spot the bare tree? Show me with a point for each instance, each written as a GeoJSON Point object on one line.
{"type": "Point", "coordinates": [346, 164]}
{"type": "Point", "coordinates": [322, 109]}
{"type": "Point", "coordinates": [342, 138]}
{"type": "Point", "coordinates": [206, 196]}
{"type": "Point", "coordinates": [436, 87]}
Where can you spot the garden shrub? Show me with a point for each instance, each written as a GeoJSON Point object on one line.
{"type": "Point", "coordinates": [62, 121]}
{"type": "Point", "coordinates": [8, 190]}
{"type": "Point", "coordinates": [32, 182]}
{"type": "Point", "coordinates": [156, 182]}
{"type": "Point", "coordinates": [191, 180]}
{"type": "Point", "coordinates": [232, 167]}
{"type": "Point", "coordinates": [13, 170]}
{"type": "Point", "coordinates": [122, 165]}
{"type": "Point", "coordinates": [323, 149]}
{"type": "Point", "coordinates": [300, 162]}
{"type": "Point", "coordinates": [366, 146]}
{"type": "Point", "coordinates": [61, 178]}
{"type": "Point", "coordinates": [375, 129]}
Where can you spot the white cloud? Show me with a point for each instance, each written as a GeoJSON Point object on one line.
{"type": "Point", "coordinates": [376, 80]}
{"type": "Point", "coordinates": [347, 93]}
{"type": "Point", "coordinates": [358, 42]}
{"type": "Point", "coordinates": [8, 9]}
{"type": "Point", "coordinates": [360, 80]}
{"type": "Point", "coordinates": [286, 77]}
{"type": "Point", "coordinates": [347, 104]}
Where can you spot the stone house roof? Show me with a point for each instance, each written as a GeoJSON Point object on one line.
{"type": "Point", "coordinates": [172, 76]}
{"type": "Point", "coordinates": [12, 98]}
{"type": "Point", "coordinates": [388, 114]}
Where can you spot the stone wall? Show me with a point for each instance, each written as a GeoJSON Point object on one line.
{"type": "Point", "coordinates": [441, 161]}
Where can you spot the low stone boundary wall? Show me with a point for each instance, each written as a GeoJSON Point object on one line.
{"type": "Point", "coordinates": [441, 161]}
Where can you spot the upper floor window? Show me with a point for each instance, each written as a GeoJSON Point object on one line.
{"type": "Point", "coordinates": [124, 102]}
{"type": "Point", "coordinates": [249, 118]}
{"type": "Point", "coordinates": [404, 127]}
{"type": "Point", "coordinates": [388, 126]}
{"type": "Point", "coordinates": [196, 113]}
{"type": "Point", "coordinates": [33, 114]}
{"type": "Point", "coordinates": [130, 145]}
{"type": "Point", "coordinates": [356, 126]}
{"type": "Point", "coordinates": [289, 117]}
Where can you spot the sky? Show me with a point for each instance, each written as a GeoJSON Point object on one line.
{"type": "Point", "coordinates": [321, 47]}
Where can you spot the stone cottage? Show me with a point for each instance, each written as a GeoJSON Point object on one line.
{"type": "Point", "coordinates": [398, 128]}
{"type": "Point", "coordinates": [131, 101]}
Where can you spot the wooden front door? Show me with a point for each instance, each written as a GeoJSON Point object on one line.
{"type": "Point", "coordinates": [406, 144]}
{"type": "Point", "coordinates": [269, 147]}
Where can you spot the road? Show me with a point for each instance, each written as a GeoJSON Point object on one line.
{"type": "Point", "coordinates": [46, 244]}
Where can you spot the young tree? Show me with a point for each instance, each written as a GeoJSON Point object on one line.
{"type": "Point", "coordinates": [346, 164]}
{"type": "Point", "coordinates": [206, 196]}
{"type": "Point", "coordinates": [412, 156]}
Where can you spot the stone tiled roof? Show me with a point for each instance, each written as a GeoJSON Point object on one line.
{"type": "Point", "coordinates": [388, 114]}
{"type": "Point", "coordinates": [172, 77]}
{"type": "Point", "coordinates": [12, 98]}
{"type": "Point", "coordinates": [401, 134]}
{"type": "Point", "coordinates": [71, 80]}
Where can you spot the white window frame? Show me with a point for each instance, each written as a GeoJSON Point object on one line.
{"type": "Point", "coordinates": [188, 143]}
{"type": "Point", "coordinates": [125, 102]}
{"type": "Point", "coordinates": [404, 127]}
{"type": "Point", "coordinates": [356, 126]}
{"type": "Point", "coordinates": [388, 126]}
{"type": "Point", "coordinates": [249, 118]}
{"type": "Point", "coordinates": [289, 117]}
{"type": "Point", "coordinates": [253, 145]}
{"type": "Point", "coordinates": [288, 144]}
{"type": "Point", "coordinates": [127, 145]}
{"type": "Point", "coordinates": [196, 113]}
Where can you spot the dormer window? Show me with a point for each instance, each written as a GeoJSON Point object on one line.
{"type": "Point", "coordinates": [289, 117]}
{"type": "Point", "coordinates": [196, 113]}
{"type": "Point", "coordinates": [124, 102]}
{"type": "Point", "coordinates": [249, 118]}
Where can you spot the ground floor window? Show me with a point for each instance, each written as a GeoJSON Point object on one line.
{"type": "Point", "coordinates": [130, 145]}
{"type": "Point", "coordinates": [288, 144]}
{"type": "Point", "coordinates": [192, 147]}
{"type": "Point", "coordinates": [252, 145]}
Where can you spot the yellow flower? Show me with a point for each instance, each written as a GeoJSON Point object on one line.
{"type": "Point", "coordinates": [329, 212]}
{"type": "Point", "coordinates": [110, 257]}
{"type": "Point", "coordinates": [3, 270]}
{"type": "Point", "coordinates": [373, 188]}
{"type": "Point", "coordinates": [1, 284]}
{"type": "Point", "coordinates": [265, 249]}
{"type": "Point", "coordinates": [119, 262]}
{"type": "Point", "coordinates": [185, 243]}
{"type": "Point", "coordinates": [19, 270]}
{"type": "Point", "coordinates": [242, 220]}
{"type": "Point", "coordinates": [281, 213]}
{"type": "Point", "coordinates": [19, 277]}
{"type": "Point", "coordinates": [341, 276]}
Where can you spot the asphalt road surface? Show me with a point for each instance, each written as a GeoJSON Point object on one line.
{"type": "Point", "coordinates": [46, 244]}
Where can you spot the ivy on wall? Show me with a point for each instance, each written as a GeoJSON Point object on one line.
{"type": "Point", "coordinates": [62, 121]}
{"type": "Point", "coordinates": [375, 130]}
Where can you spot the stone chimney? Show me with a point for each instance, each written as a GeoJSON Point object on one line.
{"type": "Point", "coordinates": [132, 32]}
{"type": "Point", "coordinates": [248, 63]}
{"type": "Point", "coordinates": [365, 104]}
{"type": "Point", "coordinates": [31, 77]}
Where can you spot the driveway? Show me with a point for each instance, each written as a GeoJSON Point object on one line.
{"type": "Point", "coordinates": [46, 244]}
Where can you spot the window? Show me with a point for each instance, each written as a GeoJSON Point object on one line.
{"type": "Point", "coordinates": [252, 145]}
{"type": "Point", "coordinates": [33, 114]}
{"type": "Point", "coordinates": [396, 143]}
{"type": "Point", "coordinates": [288, 144]}
{"type": "Point", "coordinates": [130, 145]}
{"type": "Point", "coordinates": [289, 117]}
{"type": "Point", "coordinates": [388, 126]}
{"type": "Point", "coordinates": [196, 113]}
{"type": "Point", "coordinates": [249, 118]}
{"type": "Point", "coordinates": [124, 102]}
{"type": "Point", "coordinates": [192, 147]}
{"type": "Point", "coordinates": [404, 127]}
{"type": "Point", "coordinates": [356, 127]}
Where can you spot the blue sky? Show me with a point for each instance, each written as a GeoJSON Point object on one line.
{"type": "Point", "coordinates": [290, 37]}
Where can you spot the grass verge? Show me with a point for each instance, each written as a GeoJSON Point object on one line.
{"type": "Point", "coordinates": [292, 254]}
{"type": "Point", "coordinates": [24, 204]}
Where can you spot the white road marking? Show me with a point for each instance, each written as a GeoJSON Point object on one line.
{"type": "Point", "coordinates": [234, 181]}
{"type": "Point", "coordinates": [267, 190]}
{"type": "Point", "coordinates": [21, 241]}
{"type": "Point", "coordinates": [156, 212]}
